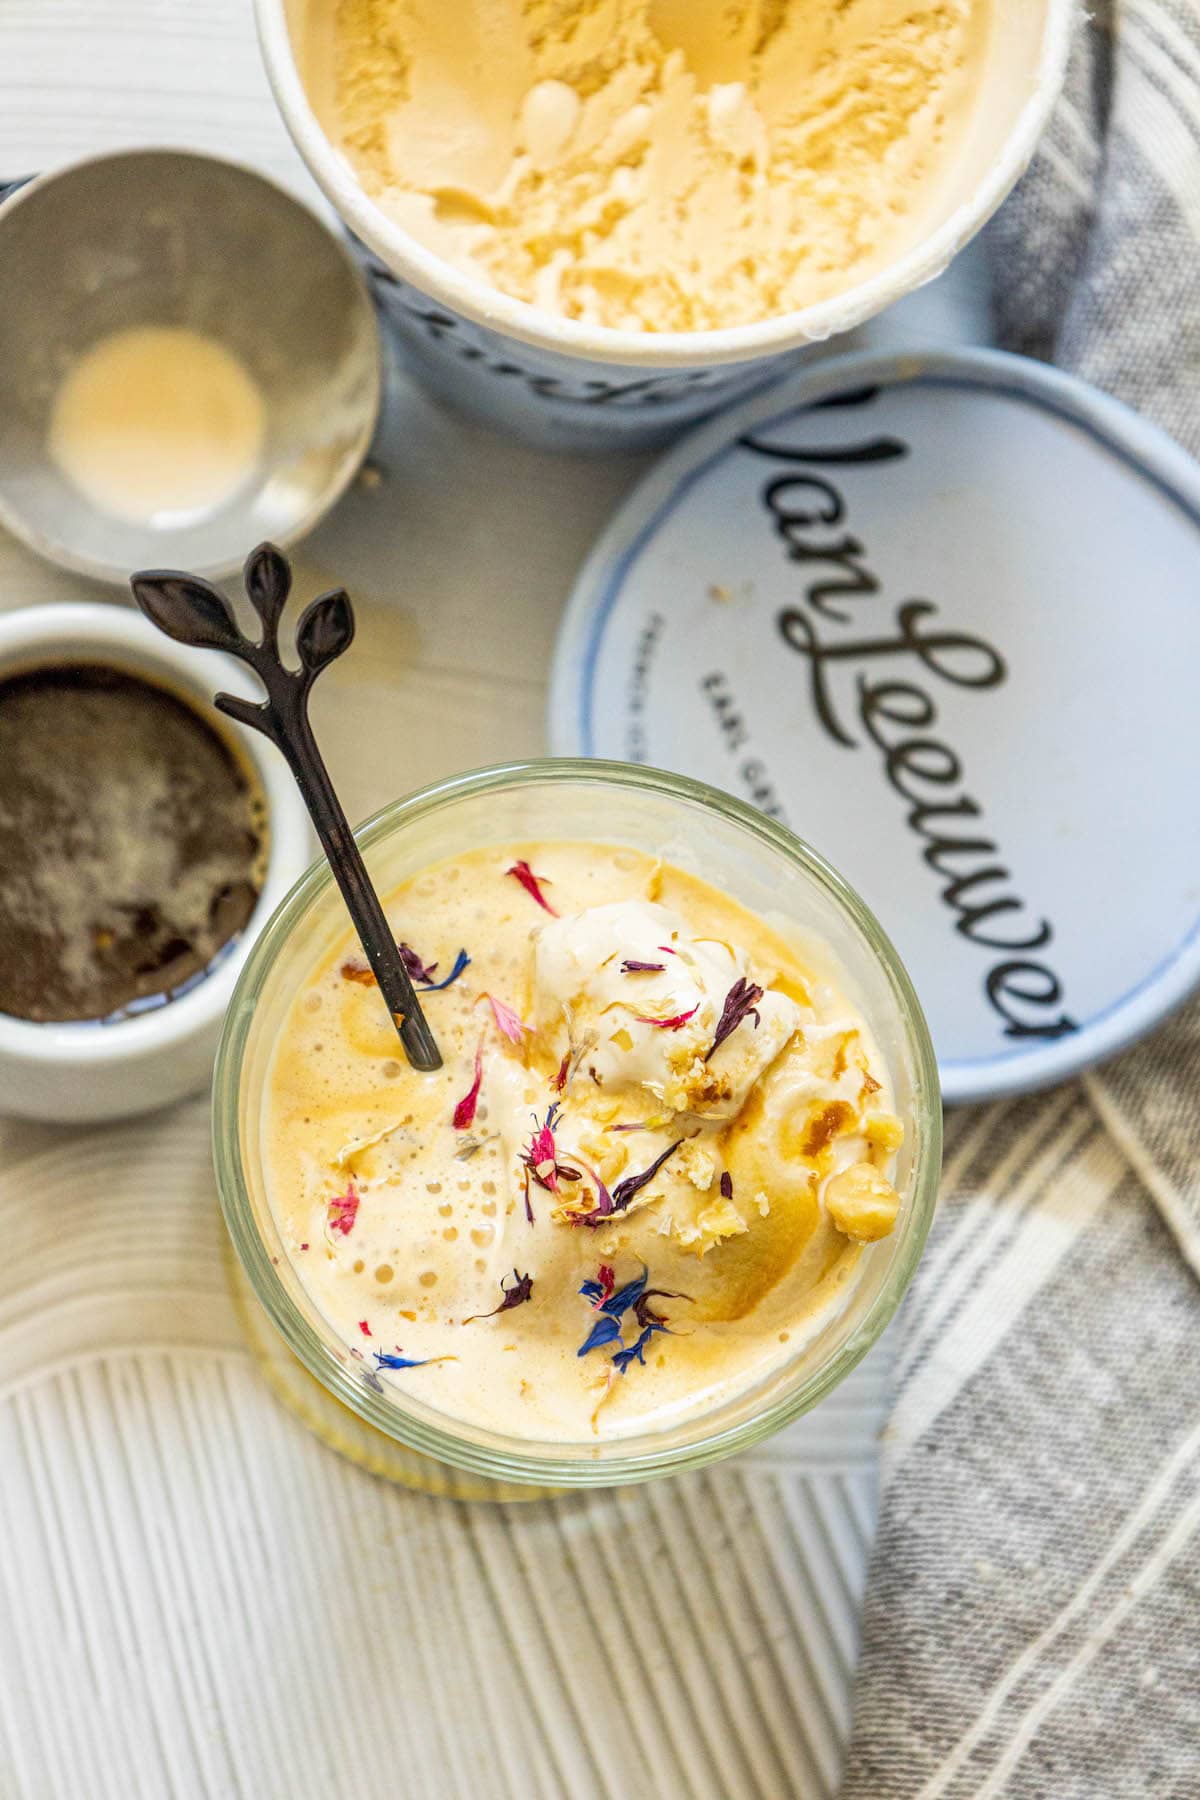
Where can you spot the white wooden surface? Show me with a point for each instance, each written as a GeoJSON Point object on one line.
{"type": "Point", "coordinates": [196, 1598]}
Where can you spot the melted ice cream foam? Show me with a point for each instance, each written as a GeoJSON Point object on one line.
{"type": "Point", "coordinates": [646, 1094]}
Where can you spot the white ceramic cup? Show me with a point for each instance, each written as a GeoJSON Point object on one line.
{"type": "Point", "coordinates": [561, 383]}
{"type": "Point", "coordinates": [79, 1073]}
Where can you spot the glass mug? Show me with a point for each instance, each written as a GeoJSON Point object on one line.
{"type": "Point", "coordinates": [771, 872]}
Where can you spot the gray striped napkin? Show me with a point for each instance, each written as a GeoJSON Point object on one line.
{"type": "Point", "coordinates": [1032, 1625]}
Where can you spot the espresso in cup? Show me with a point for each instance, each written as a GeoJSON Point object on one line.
{"type": "Point", "coordinates": [133, 844]}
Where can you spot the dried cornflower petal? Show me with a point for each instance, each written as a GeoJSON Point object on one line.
{"type": "Point", "coordinates": [675, 1023]}
{"type": "Point", "coordinates": [464, 1112]}
{"type": "Point", "coordinates": [541, 1157]}
{"type": "Point", "coordinates": [383, 1361]}
{"type": "Point", "coordinates": [462, 961]}
{"type": "Point", "coordinates": [623, 1358]}
{"type": "Point", "coordinates": [627, 1296]}
{"type": "Point", "coordinates": [741, 1000]}
{"type": "Point", "coordinates": [522, 872]}
{"type": "Point", "coordinates": [605, 1331]}
{"type": "Point", "coordinates": [513, 1296]}
{"type": "Point", "coordinates": [509, 1023]}
{"type": "Point", "coordinates": [343, 1210]}
{"type": "Point", "coordinates": [421, 976]}
{"type": "Point", "coordinates": [599, 1290]}
{"type": "Point", "coordinates": [612, 1303]}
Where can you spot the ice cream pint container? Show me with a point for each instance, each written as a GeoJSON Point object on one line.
{"type": "Point", "coordinates": [573, 295]}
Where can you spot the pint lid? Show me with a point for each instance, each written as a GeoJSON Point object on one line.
{"type": "Point", "coordinates": [939, 613]}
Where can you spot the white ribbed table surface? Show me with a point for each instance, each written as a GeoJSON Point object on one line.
{"type": "Point", "coordinates": [197, 1598]}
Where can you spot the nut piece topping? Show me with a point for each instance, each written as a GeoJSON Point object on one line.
{"type": "Point", "coordinates": [862, 1203]}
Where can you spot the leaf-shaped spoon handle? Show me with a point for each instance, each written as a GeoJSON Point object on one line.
{"type": "Point", "coordinates": [192, 611]}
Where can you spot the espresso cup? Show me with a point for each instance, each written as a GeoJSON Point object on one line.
{"type": "Point", "coordinates": [77, 1073]}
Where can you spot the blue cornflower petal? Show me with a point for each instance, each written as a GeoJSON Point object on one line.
{"type": "Point", "coordinates": [400, 1362]}
{"type": "Point", "coordinates": [623, 1358]}
{"type": "Point", "coordinates": [461, 962]}
{"type": "Point", "coordinates": [625, 1297]}
{"type": "Point", "coordinates": [604, 1331]}
{"type": "Point", "coordinates": [591, 1290]}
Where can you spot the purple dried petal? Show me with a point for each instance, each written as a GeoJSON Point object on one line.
{"type": "Point", "coordinates": [726, 1185]}
{"type": "Point", "coordinates": [418, 970]}
{"type": "Point", "coordinates": [604, 1200]}
{"type": "Point", "coordinates": [513, 1296]}
{"type": "Point", "coordinates": [642, 968]}
{"type": "Point", "coordinates": [625, 1190]}
{"type": "Point", "coordinates": [645, 1314]}
{"type": "Point", "coordinates": [741, 1000]}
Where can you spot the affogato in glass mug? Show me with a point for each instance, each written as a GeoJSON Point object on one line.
{"type": "Point", "coordinates": [674, 1174]}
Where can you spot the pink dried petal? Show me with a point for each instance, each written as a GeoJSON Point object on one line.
{"type": "Point", "coordinates": [532, 884]}
{"type": "Point", "coordinates": [675, 1023]}
{"type": "Point", "coordinates": [364, 1328]}
{"type": "Point", "coordinates": [541, 1157]}
{"type": "Point", "coordinates": [509, 1023]}
{"type": "Point", "coordinates": [464, 1112]}
{"type": "Point", "coordinates": [343, 1210]}
{"type": "Point", "coordinates": [560, 1080]}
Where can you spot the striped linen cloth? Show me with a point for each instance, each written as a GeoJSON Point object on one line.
{"type": "Point", "coordinates": [1032, 1621]}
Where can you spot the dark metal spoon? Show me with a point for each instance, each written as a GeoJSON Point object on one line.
{"type": "Point", "coordinates": [192, 611]}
